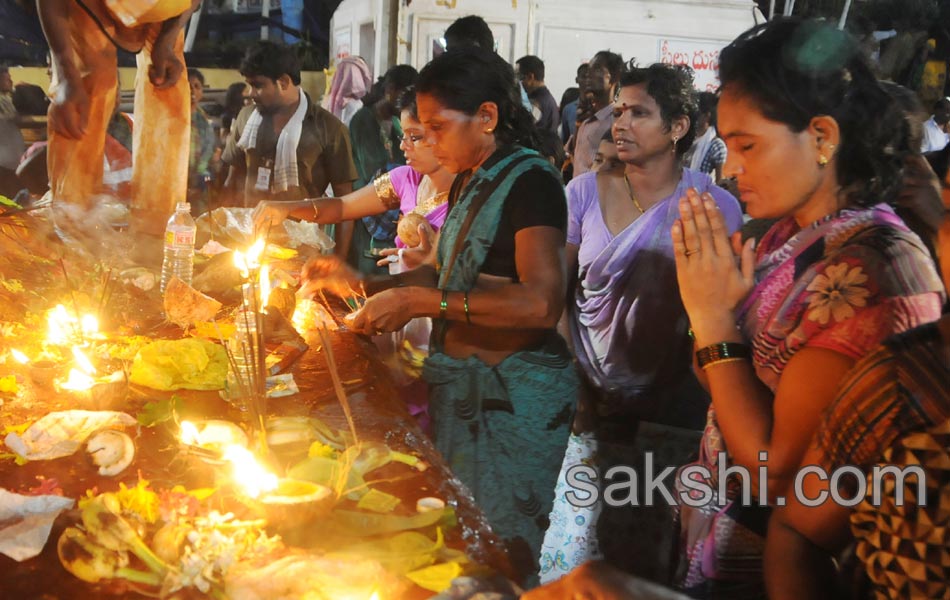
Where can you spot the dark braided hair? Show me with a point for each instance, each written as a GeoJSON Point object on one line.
{"type": "Point", "coordinates": [795, 70]}
{"type": "Point", "coordinates": [464, 79]}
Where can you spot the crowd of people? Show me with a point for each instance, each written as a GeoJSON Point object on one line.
{"type": "Point", "coordinates": [707, 327]}
{"type": "Point", "coordinates": [639, 276]}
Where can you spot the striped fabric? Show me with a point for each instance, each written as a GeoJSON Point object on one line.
{"type": "Point", "coordinates": [902, 387]}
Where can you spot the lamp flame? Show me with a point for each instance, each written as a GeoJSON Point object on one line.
{"type": "Point", "coordinates": [64, 326]}
{"type": "Point", "coordinates": [249, 475]}
{"type": "Point", "coordinates": [89, 325]}
{"type": "Point", "coordinates": [245, 262]}
{"type": "Point", "coordinates": [254, 252]}
{"type": "Point", "coordinates": [240, 262]}
{"type": "Point", "coordinates": [19, 356]}
{"type": "Point", "coordinates": [77, 381]}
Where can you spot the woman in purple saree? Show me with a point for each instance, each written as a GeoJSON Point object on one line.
{"type": "Point", "coordinates": [628, 326]}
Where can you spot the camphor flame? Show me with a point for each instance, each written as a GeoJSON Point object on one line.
{"type": "Point", "coordinates": [77, 381]}
{"type": "Point", "coordinates": [64, 327]}
{"type": "Point", "coordinates": [249, 475]}
{"type": "Point", "coordinates": [82, 378]}
{"type": "Point", "coordinates": [19, 356]}
{"type": "Point", "coordinates": [245, 262]}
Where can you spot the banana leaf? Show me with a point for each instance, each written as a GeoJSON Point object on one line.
{"type": "Point", "coordinates": [356, 523]}
{"type": "Point", "coordinates": [400, 553]}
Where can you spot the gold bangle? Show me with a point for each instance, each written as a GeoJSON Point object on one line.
{"type": "Point", "coordinates": [316, 213]}
{"type": "Point", "coordinates": [722, 361]}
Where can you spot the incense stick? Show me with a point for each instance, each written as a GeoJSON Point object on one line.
{"type": "Point", "coordinates": [326, 305]}
{"type": "Point", "coordinates": [335, 377]}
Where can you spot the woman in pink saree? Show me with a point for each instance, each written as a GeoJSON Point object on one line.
{"type": "Point", "coordinates": [816, 142]}
{"type": "Point", "coordinates": [420, 188]}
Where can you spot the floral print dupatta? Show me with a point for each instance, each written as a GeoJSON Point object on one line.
{"type": "Point", "coordinates": [844, 283]}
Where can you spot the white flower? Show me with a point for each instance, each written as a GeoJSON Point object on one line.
{"type": "Point", "coordinates": [835, 292]}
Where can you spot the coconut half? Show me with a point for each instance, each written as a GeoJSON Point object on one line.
{"type": "Point", "coordinates": [112, 451]}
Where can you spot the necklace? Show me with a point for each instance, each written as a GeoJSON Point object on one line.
{"type": "Point", "coordinates": [632, 197]}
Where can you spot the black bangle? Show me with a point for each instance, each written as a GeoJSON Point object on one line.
{"type": "Point", "coordinates": [444, 305]}
{"type": "Point", "coordinates": [722, 351]}
{"type": "Point", "coordinates": [468, 318]}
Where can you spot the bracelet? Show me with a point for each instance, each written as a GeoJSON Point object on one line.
{"type": "Point", "coordinates": [720, 351]}
{"type": "Point", "coordinates": [468, 318]}
{"type": "Point", "coordinates": [316, 213]}
{"type": "Point", "coordinates": [721, 361]}
{"type": "Point", "coordinates": [444, 305]}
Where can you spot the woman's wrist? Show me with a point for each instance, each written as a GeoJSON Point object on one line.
{"type": "Point", "coordinates": [713, 329]}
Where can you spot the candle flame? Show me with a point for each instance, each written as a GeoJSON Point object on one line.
{"type": "Point", "coordinates": [249, 475]}
{"type": "Point", "coordinates": [375, 596]}
{"type": "Point", "coordinates": [19, 356]}
{"type": "Point", "coordinates": [83, 362]}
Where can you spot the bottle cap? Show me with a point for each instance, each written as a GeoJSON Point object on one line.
{"type": "Point", "coordinates": [183, 206]}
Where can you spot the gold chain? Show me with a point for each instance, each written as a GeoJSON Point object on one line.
{"type": "Point", "coordinates": [632, 197]}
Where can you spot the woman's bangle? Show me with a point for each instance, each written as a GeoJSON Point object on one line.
{"type": "Point", "coordinates": [721, 361]}
{"type": "Point", "coordinates": [468, 318]}
{"type": "Point", "coordinates": [444, 305]}
{"type": "Point", "coordinates": [316, 213]}
{"type": "Point", "coordinates": [722, 351]}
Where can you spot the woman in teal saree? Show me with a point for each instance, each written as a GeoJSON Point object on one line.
{"type": "Point", "coordinates": [502, 384]}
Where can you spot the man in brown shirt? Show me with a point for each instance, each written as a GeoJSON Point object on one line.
{"type": "Point", "coordinates": [322, 149]}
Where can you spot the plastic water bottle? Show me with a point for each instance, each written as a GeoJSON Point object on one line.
{"type": "Point", "coordinates": [179, 246]}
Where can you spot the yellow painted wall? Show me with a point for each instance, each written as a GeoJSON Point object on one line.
{"type": "Point", "coordinates": [314, 82]}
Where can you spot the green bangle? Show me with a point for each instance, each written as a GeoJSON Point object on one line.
{"type": "Point", "coordinates": [444, 305]}
{"type": "Point", "coordinates": [468, 318]}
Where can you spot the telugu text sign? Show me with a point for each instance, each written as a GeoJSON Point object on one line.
{"type": "Point", "coordinates": [702, 57]}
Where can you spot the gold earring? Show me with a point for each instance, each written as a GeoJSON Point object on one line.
{"type": "Point", "coordinates": [822, 160]}
{"type": "Point", "coordinates": [675, 139]}
{"type": "Point", "coordinates": [489, 130]}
